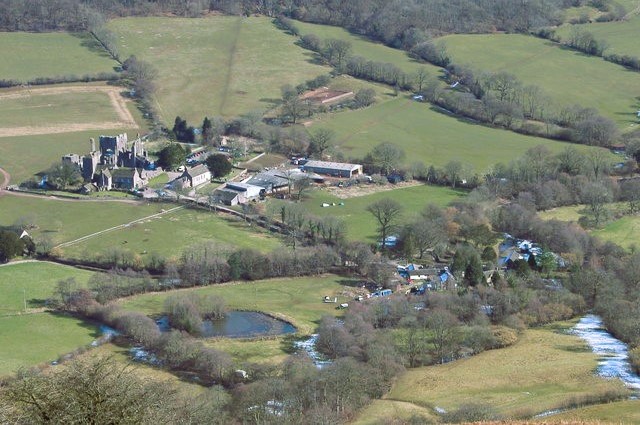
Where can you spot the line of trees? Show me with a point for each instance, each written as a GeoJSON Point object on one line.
{"type": "Point", "coordinates": [70, 78]}
{"type": "Point", "coordinates": [585, 41]}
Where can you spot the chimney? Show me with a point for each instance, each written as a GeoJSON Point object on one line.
{"type": "Point", "coordinates": [93, 144]}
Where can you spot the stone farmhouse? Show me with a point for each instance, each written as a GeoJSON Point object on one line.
{"type": "Point", "coordinates": [116, 163]}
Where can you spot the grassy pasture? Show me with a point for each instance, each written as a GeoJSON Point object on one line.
{"type": "Point", "coordinates": [65, 220]}
{"type": "Point", "coordinates": [621, 36]}
{"type": "Point", "coordinates": [365, 47]}
{"type": "Point", "coordinates": [270, 351]}
{"type": "Point", "coordinates": [50, 55]}
{"type": "Point", "coordinates": [35, 338]}
{"type": "Point", "coordinates": [33, 282]}
{"type": "Point", "coordinates": [428, 135]}
{"type": "Point", "coordinates": [168, 234]}
{"type": "Point", "coordinates": [298, 300]}
{"type": "Point", "coordinates": [568, 77]}
{"type": "Point", "coordinates": [220, 65]}
{"type": "Point", "coordinates": [393, 411]}
{"type": "Point", "coordinates": [622, 412]}
{"type": "Point", "coordinates": [360, 224]}
{"type": "Point", "coordinates": [623, 231]}
{"type": "Point", "coordinates": [45, 110]}
{"type": "Point", "coordinates": [541, 371]}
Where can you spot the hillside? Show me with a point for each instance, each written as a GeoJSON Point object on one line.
{"type": "Point", "coordinates": [566, 76]}
{"type": "Point", "coordinates": [220, 65]}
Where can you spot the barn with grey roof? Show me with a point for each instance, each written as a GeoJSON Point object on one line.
{"type": "Point", "coordinates": [335, 169]}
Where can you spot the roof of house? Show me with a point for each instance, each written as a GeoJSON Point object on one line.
{"type": "Point", "coordinates": [124, 173]}
{"type": "Point", "coordinates": [266, 179]}
{"type": "Point", "coordinates": [241, 187]}
{"type": "Point", "coordinates": [198, 170]}
{"type": "Point", "coordinates": [225, 195]}
{"type": "Point", "coordinates": [342, 166]}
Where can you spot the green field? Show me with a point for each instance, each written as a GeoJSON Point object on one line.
{"type": "Point", "coordinates": [621, 36]}
{"type": "Point", "coordinates": [365, 47]}
{"type": "Point", "coordinates": [541, 371]}
{"type": "Point", "coordinates": [49, 55]}
{"type": "Point", "coordinates": [33, 283]}
{"type": "Point", "coordinates": [36, 338]}
{"type": "Point", "coordinates": [220, 65]}
{"type": "Point", "coordinates": [624, 412]}
{"type": "Point", "coordinates": [384, 411]}
{"type": "Point", "coordinates": [624, 231]}
{"type": "Point", "coordinates": [242, 351]}
{"type": "Point", "coordinates": [428, 136]}
{"type": "Point", "coordinates": [360, 224]}
{"type": "Point", "coordinates": [48, 110]}
{"type": "Point", "coordinates": [568, 77]}
{"type": "Point", "coordinates": [168, 234]}
{"type": "Point", "coordinates": [298, 300]}
{"type": "Point", "coordinates": [65, 220]}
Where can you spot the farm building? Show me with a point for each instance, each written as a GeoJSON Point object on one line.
{"type": "Point", "coordinates": [237, 193]}
{"type": "Point", "coordinates": [227, 197]}
{"type": "Point", "coordinates": [193, 177]}
{"type": "Point", "coordinates": [336, 169]}
{"type": "Point", "coordinates": [270, 181]}
{"type": "Point", "coordinates": [248, 191]}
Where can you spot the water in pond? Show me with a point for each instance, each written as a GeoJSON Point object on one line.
{"type": "Point", "coordinates": [239, 324]}
{"type": "Point", "coordinates": [614, 354]}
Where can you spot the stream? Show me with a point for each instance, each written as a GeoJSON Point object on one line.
{"type": "Point", "coordinates": [613, 361]}
{"type": "Point", "coordinates": [613, 353]}
{"type": "Point", "coordinates": [309, 346]}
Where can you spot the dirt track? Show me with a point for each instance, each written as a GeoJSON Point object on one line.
{"type": "Point", "coordinates": [117, 101]}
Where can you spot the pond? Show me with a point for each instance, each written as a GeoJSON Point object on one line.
{"type": "Point", "coordinates": [239, 324]}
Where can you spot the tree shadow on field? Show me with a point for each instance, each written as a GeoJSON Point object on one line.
{"type": "Point", "coordinates": [36, 303]}
{"type": "Point", "coordinates": [89, 42]}
{"type": "Point", "coordinates": [351, 282]}
{"type": "Point", "coordinates": [94, 327]}
{"type": "Point", "coordinates": [271, 102]}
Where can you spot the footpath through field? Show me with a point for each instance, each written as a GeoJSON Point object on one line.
{"type": "Point", "coordinates": [121, 226]}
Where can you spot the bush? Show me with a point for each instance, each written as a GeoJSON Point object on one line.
{"type": "Point", "coordinates": [472, 412]}
{"type": "Point", "coordinates": [504, 336]}
{"type": "Point", "coordinates": [183, 313]}
{"type": "Point", "coordinates": [634, 359]}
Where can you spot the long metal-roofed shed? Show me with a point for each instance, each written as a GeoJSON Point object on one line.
{"type": "Point", "coordinates": [336, 169]}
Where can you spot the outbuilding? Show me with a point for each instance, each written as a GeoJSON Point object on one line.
{"type": "Point", "coordinates": [336, 169]}
{"type": "Point", "coordinates": [248, 191]}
